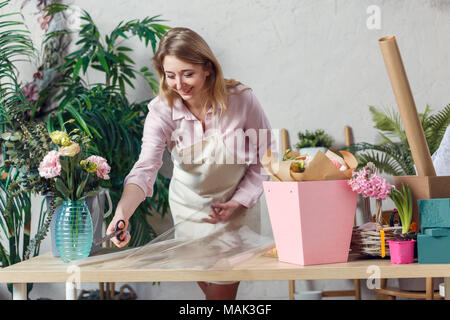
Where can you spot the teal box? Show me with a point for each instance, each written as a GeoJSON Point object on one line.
{"type": "Point", "coordinates": [433, 245]}
{"type": "Point", "coordinates": [434, 213]}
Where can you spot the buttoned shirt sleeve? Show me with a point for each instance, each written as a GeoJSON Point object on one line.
{"type": "Point", "coordinates": [250, 188]}
{"type": "Point", "coordinates": [154, 141]}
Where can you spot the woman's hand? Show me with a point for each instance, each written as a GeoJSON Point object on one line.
{"type": "Point", "coordinates": [223, 212]}
{"type": "Point", "coordinates": [124, 236]}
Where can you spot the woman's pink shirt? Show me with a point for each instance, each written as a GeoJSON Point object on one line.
{"type": "Point", "coordinates": [245, 129]}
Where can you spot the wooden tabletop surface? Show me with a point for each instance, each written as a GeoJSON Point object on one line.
{"type": "Point", "coordinates": [46, 268]}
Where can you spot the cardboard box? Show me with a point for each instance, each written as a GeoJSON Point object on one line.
{"type": "Point", "coordinates": [312, 221]}
{"type": "Point", "coordinates": [424, 188]}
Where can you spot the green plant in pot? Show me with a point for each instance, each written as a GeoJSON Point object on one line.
{"type": "Point", "coordinates": [76, 176]}
{"type": "Point", "coordinates": [402, 249]}
{"type": "Point", "coordinates": [312, 141]}
{"type": "Point", "coordinates": [391, 153]}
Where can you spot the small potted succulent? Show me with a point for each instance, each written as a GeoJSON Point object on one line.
{"type": "Point", "coordinates": [402, 248]}
{"type": "Point", "coordinates": [312, 141]}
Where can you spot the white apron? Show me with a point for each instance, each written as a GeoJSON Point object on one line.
{"type": "Point", "coordinates": [195, 185]}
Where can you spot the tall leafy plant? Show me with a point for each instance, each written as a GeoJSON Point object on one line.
{"type": "Point", "coordinates": [103, 111]}
{"type": "Point", "coordinates": [20, 145]}
{"type": "Point", "coordinates": [391, 152]}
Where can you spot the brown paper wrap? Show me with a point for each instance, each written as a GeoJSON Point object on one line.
{"type": "Point", "coordinates": [320, 167]}
{"type": "Point", "coordinates": [407, 108]}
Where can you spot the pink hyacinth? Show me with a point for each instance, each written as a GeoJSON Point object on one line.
{"type": "Point", "coordinates": [103, 167]}
{"type": "Point", "coordinates": [369, 184]}
{"type": "Point", "coordinates": [50, 166]}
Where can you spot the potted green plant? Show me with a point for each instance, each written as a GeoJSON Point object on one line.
{"type": "Point", "coordinates": [312, 141]}
{"type": "Point", "coordinates": [402, 248]}
{"type": "Point", "coordinates": [391, 153]}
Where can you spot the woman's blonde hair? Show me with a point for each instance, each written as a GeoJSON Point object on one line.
{"type": "Point", "coordinates": [190, 47]}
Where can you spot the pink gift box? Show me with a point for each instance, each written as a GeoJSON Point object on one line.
{"type": "Point", "coordinates": [312, 221]}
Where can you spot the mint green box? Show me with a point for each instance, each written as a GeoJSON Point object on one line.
{"type": "Point", "coordinates": [433, 245]}
{"type": "Point", "coordinates": [434, 213]}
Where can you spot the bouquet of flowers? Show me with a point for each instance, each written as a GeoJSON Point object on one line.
{"type": "Point", "coordinates": [369, 184]}
{"type": "Point", "coordinates": [76, 175]}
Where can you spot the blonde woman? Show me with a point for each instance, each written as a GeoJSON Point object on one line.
{"type": "Point", "coordinates": [198, 110]}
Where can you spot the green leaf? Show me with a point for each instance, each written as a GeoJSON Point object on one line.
{"type": "Point", "coordinates": [61, 187]}
{"type": "Point", "coordinates": [55, 8]}
{"type": "Point", "coordinates": [77, 68]}
{"type": "Point", "coordinates": [124, 49]}
{"type": "Point", "coordinates": [120, 32]}
{"type": "Point", "coordinates": [85, 61]}
{"type": "Point", "coordinates": [64, 164]}
{"type": "Point", "coordinates": [79, 118]}
{"type": "Point", "coordinates": [103, 62]}
{"type": "Point", "coordinates": [80, 188]}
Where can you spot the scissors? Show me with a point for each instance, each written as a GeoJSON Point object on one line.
{"type": "Point", "coordinates": [117, 232]}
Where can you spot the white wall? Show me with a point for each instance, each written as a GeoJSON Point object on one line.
{"type": "Point", "coordinates": [312, 64]}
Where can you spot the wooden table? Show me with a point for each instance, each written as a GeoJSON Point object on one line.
{"type": "Point", "coordinates": [47, 269]}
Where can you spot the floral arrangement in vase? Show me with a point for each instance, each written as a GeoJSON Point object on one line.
{"type": "Point", "coordinates": [76, 176]}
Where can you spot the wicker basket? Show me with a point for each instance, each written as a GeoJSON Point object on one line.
{"type": "Point", "coordinates": [369, 242]}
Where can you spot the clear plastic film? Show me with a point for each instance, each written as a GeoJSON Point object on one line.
{"type": "Point", "coordinates": [224, 247]}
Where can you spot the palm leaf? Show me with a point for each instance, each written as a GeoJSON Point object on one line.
{"type": "Point", "coordinates": [15, 45]}
{"type": "Point", "coordinates": [391, 152]}
{"type": "Point", "coordinates": [388, 123]}
{"type": "Point", "coordinates": [438, 123]}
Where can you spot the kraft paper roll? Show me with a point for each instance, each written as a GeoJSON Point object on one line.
{"type": "Point", "coordinates": [407, 108]}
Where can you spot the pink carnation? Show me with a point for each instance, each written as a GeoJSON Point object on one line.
{"type": "Point", "coordinates": [103, 167]}
{"type": "Point", "coordinates": [369, 184]}
{"type": "Point", "coordinates": [50, 166]}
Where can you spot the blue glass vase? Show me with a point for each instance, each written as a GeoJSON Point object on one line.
{"type": "Point", "coordinates": [73, 230]}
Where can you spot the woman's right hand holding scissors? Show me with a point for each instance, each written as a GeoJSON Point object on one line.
{"type": "Point", "coordinates": [125, 235]}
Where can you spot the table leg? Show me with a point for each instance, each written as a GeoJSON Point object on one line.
{"type": "Point", "coordinates": [71, 291]}
{"type": "Point", "coordinates": [447, 288]}
{"type": "Point", "coordinates": [291, 289]}
{"type": "Point", "coordinates": [429, 293]}
{"type": "Point", "coordinates": [20, 291]}
{"type": "Point", "coordinates": [357, 285]}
